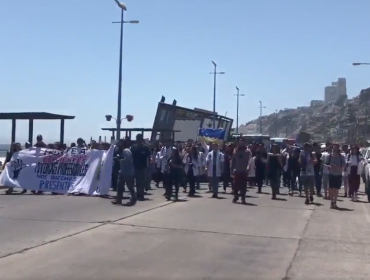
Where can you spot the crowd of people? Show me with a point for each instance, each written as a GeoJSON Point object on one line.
{"type": "Point", "coordinates": [307, 170]}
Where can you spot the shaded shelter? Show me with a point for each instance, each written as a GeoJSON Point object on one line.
{"type": "Point", "coordinates": [31, 116]}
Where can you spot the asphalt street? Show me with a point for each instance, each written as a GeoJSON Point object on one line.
{"type": "Point", "coordinates": [60, 237]}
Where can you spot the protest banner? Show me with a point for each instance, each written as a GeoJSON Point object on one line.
{"type": "Point", "coordinates": [49, 170]}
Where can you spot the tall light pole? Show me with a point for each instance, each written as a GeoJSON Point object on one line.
{"type": "Point", "coordinates": [215, 73]}
{"type": "Point", "coordinates": [118, 119]}
{"type": "Point", "coordinates": [237, 109]}
{"type": "Point", "coordinates": [360, 63]}
{"type": "Point", "coordinates": [276, 125]}
{"type": "Point", "coordinates": [261, 107]}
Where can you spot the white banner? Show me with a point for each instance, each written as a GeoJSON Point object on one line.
{"type": "Point", "coordinates": [105, 173]}
{"type": "Point", "coordinates": [75, 170]}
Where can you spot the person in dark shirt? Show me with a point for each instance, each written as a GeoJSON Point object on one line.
{"type": "Point", "coordinates": [260, 166]}
{"type": "Point", "coordinates": [226, 176]}
{"type": "Point", "coordinates": [118, 149]}
{"type": "Point", "coordinates": [274, 167]}
{"type": "Point", "coordinates": [39, 142]}
{"type": "Point", "coordinates": [317, 168]}
{"type": "Point", "coordinates": [141, 157]}
{"type": "Point", "coordinates": [262, 155]}
{"type": "Point", "coordinates": [176, 171]}
{"type": "Point", "coordinates": [294, 170]}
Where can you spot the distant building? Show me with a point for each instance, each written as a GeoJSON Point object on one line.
{"type": "Point", "coordinates": [316, 103]}
{"type": "Point", "coordinates": [336, 90]}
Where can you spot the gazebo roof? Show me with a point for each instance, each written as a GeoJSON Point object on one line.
{"type": "Point", "coordinates": [34, 115]}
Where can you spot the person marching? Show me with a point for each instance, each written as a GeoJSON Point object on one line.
{"type": "Point", "coordinates": [354, 171]}
{"type": "Point", "coordinates": [215, 161]}
{"type": "Point", "coordinates": [274, 168]}
{"type": "Point", "coordinates": [192, 167]}
{"type": "Point", "coordinates": [335, 162]}
{"type": "Point", "coordinates": [239, 166]}
{"type": "Point", "coordinates": [176, 173]}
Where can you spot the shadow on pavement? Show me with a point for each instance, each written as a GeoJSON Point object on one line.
{"type": "Point", "coordinates": [361, 201]}
{"type": "Point", "coordinates": [280, 199]}
{"type": "Point", "coordinates": [343, 209]}
{"type": "Point", "coordinates": [195, 196]}
{"type": "Point", "coordinates": [317, 204]}
{"type": "Point", "coordinates": [246, 204]}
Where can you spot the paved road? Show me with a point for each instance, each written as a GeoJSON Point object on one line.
{"type": "Point", "coordinates": [60, 237]}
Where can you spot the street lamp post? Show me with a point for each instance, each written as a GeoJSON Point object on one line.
{"type": "Point", "coordinates": [215, 73]}
{"type": "Point", "coordinates": [276, 125]}
{"type": "Point", "coordinates": [237, 109]}
{"type": "Point", "coordinates": [261, 107]}
{"type": "Point", "coordinates": [119, 119]}
{"type": "Point", "coordinates": [129, 118]}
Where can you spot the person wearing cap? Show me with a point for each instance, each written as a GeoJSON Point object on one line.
{"type": "Point", "coordinates": [307, 160]}
{"type": "Point", "coordinates": [141, 159]}
{"type": "Point", "coordinates": [335, 162]}
{"type": "Point", "coordinates": [214, 160]}
{"type": "Point", "coordinates": [27, 145]}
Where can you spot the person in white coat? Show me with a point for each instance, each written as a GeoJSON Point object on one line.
{"type": "Point", "coordinates": [252, 169]}
{"type": "Point", "coordinates": [158, 172]}
{"type": "Point", "coordinates": [192, 167]}
{"type": "Point", "coordinates": [165, 155]}
{"type": "Point", "coordinates": [214, 160]}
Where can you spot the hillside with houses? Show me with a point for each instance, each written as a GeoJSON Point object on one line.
{"type": "Point", "coordinates": [344, 120]}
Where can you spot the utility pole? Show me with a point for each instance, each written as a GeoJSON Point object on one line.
{"type": "Point", "coordinates": [215, 73]}
{"type": "Point", "coordinates": [119, 101]}
{"type": "Point", "coordinates": [237, 108]}
{"type": "Point", "coordinates": [261, 107]}
{"type": "Point", "coordinates": [276, 123]}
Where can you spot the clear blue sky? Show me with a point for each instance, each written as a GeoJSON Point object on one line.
{"type": "Point", "coordinates": [62, 57]}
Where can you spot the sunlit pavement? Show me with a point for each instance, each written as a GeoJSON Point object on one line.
{"type": "Point", "coordinates": [60, 237]}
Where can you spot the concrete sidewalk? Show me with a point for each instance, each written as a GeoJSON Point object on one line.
{"type": "Point", "coordinates": [204, 238]}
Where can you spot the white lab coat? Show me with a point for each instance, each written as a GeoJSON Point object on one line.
{"type": "Point", "coordinates": [359, 165]}
{"type": "Point", "coordinates": [252, 167]}
{"type": "Point", "coordinates": [196, 164]}
{"type": "Point", "coordinates": [158, 160]}
{"type": "Point", "coordinates": [164, 157]}
{"type": "Point", "coordinates": [219, 162]}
